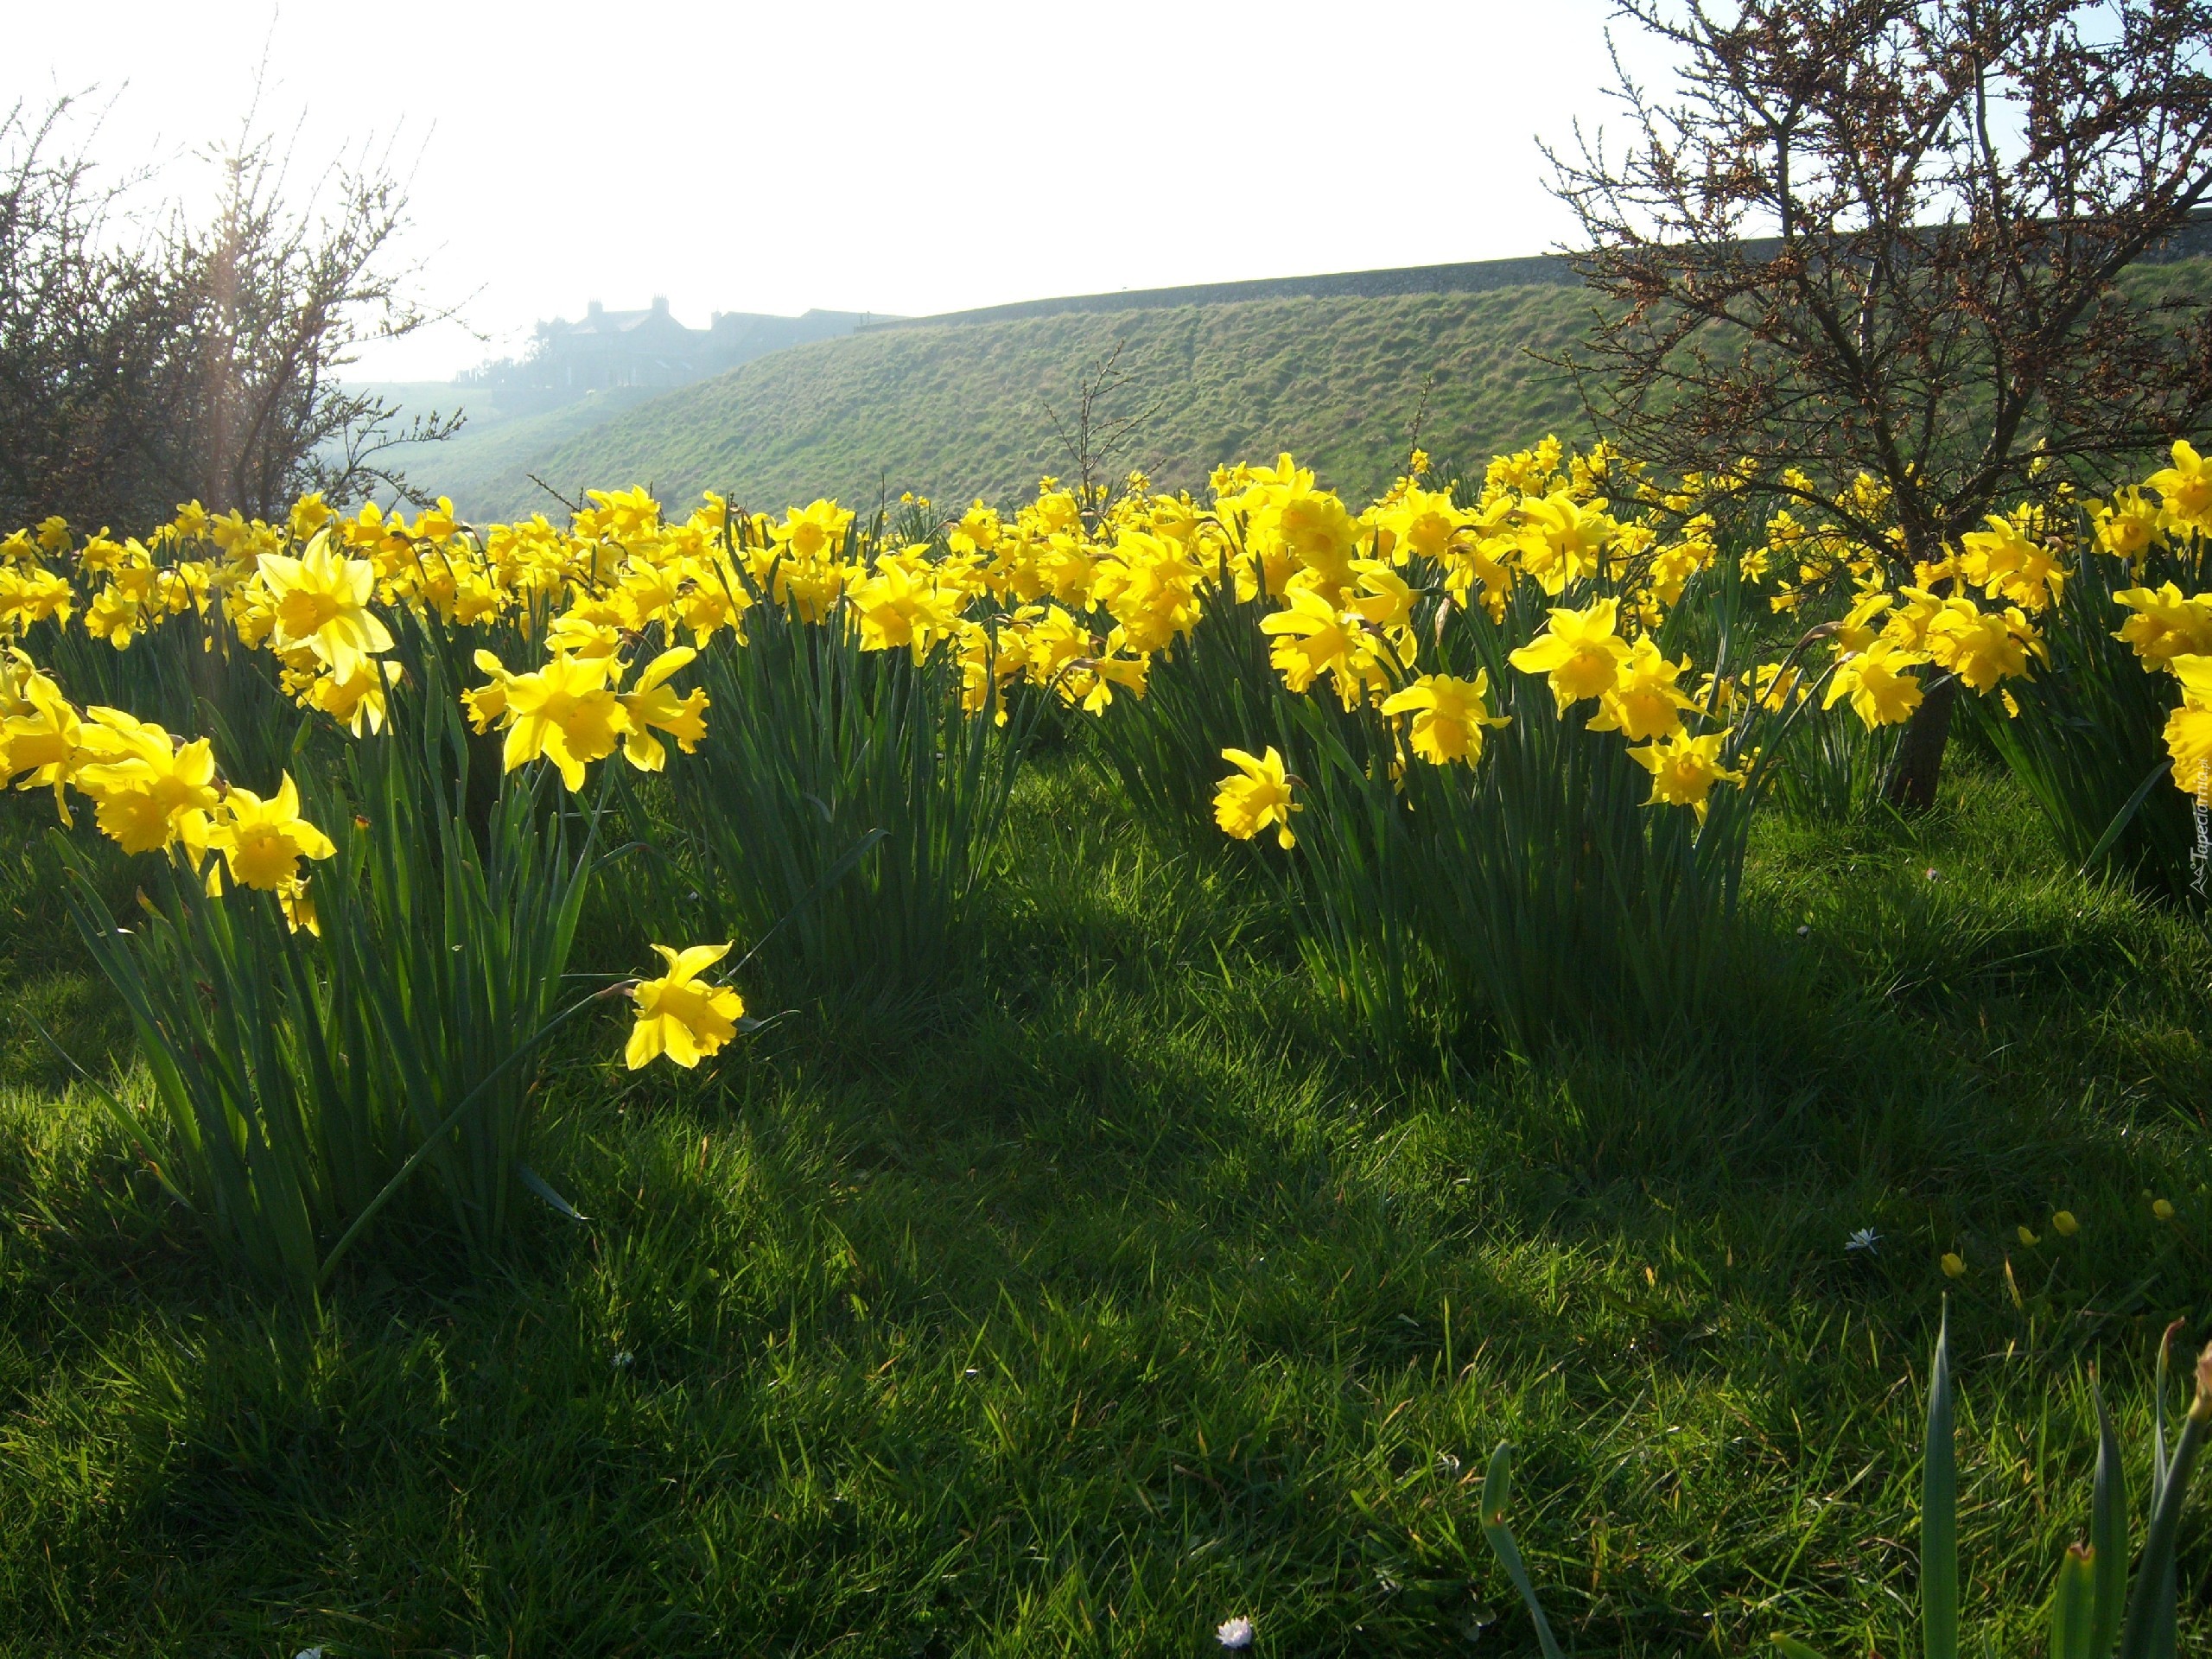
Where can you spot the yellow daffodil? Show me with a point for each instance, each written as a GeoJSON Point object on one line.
{"type": "Point", "coordinates": [1257, 794]}
{"type": "Point", "coordinates": [45, 742]}
{"type": "Point", "coordinates": [679, 1014]}
{"type": "Point", "coordinates": [309, 513]}
{"type": "Point", "coordinates": [2008, 563]}
{"type": "Point", "coordinates": [579, 633]}
{"type": "Point", "coordinates": [1563, 540]}
{"type": "Point", "coordinates": [320, 600]}
{"type": "Point", "coordinates": [2188, 728]}
{"type": "Point", "coordinates": [1422, 522]}
{"type": "Point", "coordinates": [2185, 489]}
{"type": "Point", "coordinates": [1644, 701]}
{"type": "Point", "coordinates": [812, 532]}
{"type": "Point", "coordinates": [652, 705]}
{"type": "Point", "coordinates": [263, 841]}
{"type": "Point", "coordinates": [1981, 647]}
{"type": "Point", "coordinates": [1580, 652]}
{"type": "Point", "coordinates": [1684, 770]}
{"type": "Point", "coordinates": [2164, 625]}
{"type": "Point", "coordinates": [978, 530]}
{"type": "Point", "coordinates": [297, 898]}
{"type": "Point", "coordinates": [357, 701]}
{"type": "Point", "coordinates": [1312, 637]}
{"type": "Point", "coordinates": [30, 597]}
{"type": "Point", "coordinates": [1448, 717]}
{"type": "Point", "coordinates": [899, 606]}
{"type": "Point", "coordinates": [566, 712]}
{"type": "Point", "coordinates": [2128, 527]}
{"type": "Point", "coordinates": [149, 790]}
{"type": "Point", "coordinates": [1881, 692]}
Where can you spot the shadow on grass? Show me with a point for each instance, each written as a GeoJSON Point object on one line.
{"type": "Point", "coordinates": [1125, 1295]}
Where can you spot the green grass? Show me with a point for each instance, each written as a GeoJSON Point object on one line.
{"type": "Point", "coordinates": [1134, 1293]}
{"type": "Point", "coordinates": [959, 409]}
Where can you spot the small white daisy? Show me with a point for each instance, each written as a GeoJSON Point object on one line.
{"type": "Point", "coordinates": [1235, 1634]}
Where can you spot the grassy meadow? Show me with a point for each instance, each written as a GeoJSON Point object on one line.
{"type": "Point", "coordinates": [1133, 1289]}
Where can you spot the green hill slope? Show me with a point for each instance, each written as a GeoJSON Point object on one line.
{"type": "Point", "coordinates": [960, 409]}
{"type": "Point", "coordinates": [492, 457]}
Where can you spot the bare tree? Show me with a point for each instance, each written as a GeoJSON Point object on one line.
{"type": "Point", "coordinates": [140, 366]}
{"type": "Point", "coordinates": [91, 375]}
{"type": "Point", "coordinates": [1890, 236]}
{"type": "Point", "coordinates": [287, 296]}
{"type": "Point", "coordinates": [1095, 437]}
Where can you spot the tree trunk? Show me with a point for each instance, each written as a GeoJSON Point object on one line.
{"type": "Point", "coordinates": [1918, 768]}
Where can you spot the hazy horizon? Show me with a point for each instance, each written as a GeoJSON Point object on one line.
{"type": "Point", "coordinates": [862, 157]}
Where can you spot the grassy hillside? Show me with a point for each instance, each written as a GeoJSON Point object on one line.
{"type": "Point", "coordinates": [959, 410]}
{"type": "Point", "coordinates": [494, 453]}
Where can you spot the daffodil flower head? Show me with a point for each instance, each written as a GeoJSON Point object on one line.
{"type": "Point", "coordinates": [1684, 770]}
{"type": "Point", "coordinates": [1579, 651]}
{"type": "Point", "coordinates": [2188, 728]}
{"type": "Point", "coordinates": [566, 712]}
{"type": "Point", "coordinates": [2164, 625]}
{"type": "Point", "coordinates": [263, 841]}
{"type": "Point", "coordinates": [1881, 692]}
{"type": "Point", "coordinates": [357, 701]}
{"type": "Point", "coordinates": [1981, 647]}
{"type": "Point", "coordinates": [150, 792]}
{"type": "Point", "coordinates": [320, 600]}
{"type": "Point", "coordinates": [1257, 794]}
{"type": "Point", "coordinates": [2185, 489]}
{"type": "Point", "coordinates": [44, 741]}
{"type": "Point", "coordinates": [1644, 701]}
{"type": "Point", "coordinates": [1448, 717]}
{"type": "Point", "coordinates": [679, 1014]}
{"type": "Point", "coordinates": [1563, 540]}
{"type": "Point", "coordinates": [653, 706]}
{"type": "Point", "coordinates": [1312, 637]}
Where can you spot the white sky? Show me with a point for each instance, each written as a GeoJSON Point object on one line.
{"type": "Point", "coordinates": [907, 158]}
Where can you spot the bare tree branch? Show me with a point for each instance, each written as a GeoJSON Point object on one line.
{"type": "Point", "coordinates": [1889, 237]}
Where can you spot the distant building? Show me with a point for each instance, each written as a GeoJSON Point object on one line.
{"type": "Point", "coordinates": [618, 349]}
{"type": "Point", "coordinates": [649, 348]}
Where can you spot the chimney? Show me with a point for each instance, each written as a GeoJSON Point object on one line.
{"type": "Point", "coordinates": [660, 305]}
{"type": "Point", "coordinates": [594, 310]}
